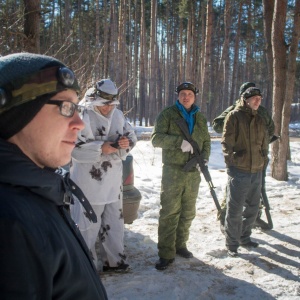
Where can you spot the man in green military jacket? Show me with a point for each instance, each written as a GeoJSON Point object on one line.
{"type": "Point", "coordinates": [218, 125]}
{"type": "Point", "coordinates": [179, 189]}
{"type": "Point", "coordinates": [245, 149]}
{"type": "Point", "coordinates": [218, 122]}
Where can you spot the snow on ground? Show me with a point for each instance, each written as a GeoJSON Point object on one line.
{"type": "Point", "coordinates": [270, 271]}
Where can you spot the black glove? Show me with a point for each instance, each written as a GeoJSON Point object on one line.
{"type": "Point", "coordinates": [239, 153]}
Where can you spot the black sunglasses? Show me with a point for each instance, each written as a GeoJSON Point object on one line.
{"type": "Point", "coordinates": [66, 108]}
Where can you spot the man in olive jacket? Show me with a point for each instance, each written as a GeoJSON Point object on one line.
{"type": "Point", "coordinates": [218, 124]}
{"type": "Point", "coordinates": [42, 253]}
{"type": "Point", "coordinates": [245, 148]}
{"type": "Point", "coordinates": [179, 189]}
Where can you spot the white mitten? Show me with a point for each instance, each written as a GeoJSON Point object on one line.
{"type": "Point", "coordinates": [186, 147]}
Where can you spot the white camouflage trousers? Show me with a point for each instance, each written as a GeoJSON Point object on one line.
{"type": "Point", "coordinates": [109, 228]}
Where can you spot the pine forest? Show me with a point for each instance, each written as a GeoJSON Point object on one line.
{"type": "Point", "coordinates": [149, 47]}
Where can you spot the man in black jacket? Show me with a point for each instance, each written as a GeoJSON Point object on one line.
{"type": "Point", "coordinates": [42, 254]}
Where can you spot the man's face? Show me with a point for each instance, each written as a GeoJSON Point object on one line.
{"type": "Point", "coordinates": [49, 138]}
{"type": "Point", "coordinates": [105, 109]}
{"type": "Point", "coordinates": [186, 98]}
{"type": "Point", "coordinates": [254, 102]}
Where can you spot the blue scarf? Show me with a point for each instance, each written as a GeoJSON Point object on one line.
{"type": "Point", "coordinates": [188, 115]}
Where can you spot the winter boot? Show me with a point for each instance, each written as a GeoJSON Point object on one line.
{"type": "Point", "coordinates": [163, 263]}
{"type": "Point", "coordinates": [184, 253]}
{"type": "Point", "coordinates": [250, 244]}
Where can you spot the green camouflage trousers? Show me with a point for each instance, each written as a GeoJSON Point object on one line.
{"type": "Point", "coordinates": [179, 191]}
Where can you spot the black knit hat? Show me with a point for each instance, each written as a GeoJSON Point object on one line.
{"type": "Point", "coordinates": [250, 92]}
{"type": "Point", "coordinates": [187, 86]}
{"type": "Point", "coordinates": [245, 86]}
{"type": "Point", "coordinates": [27, 82]}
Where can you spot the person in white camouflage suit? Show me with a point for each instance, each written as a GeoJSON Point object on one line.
{"type": "Point", "coordinates": [97, 168]}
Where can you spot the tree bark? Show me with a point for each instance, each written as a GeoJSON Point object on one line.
{"type": "Point", "coordinates": [205, 97]}
{"type": "Point", "coordinates": [32, 19]}
{"type": "Point", "coordinates": [236, 57]}
{"type": "Point", "coordinates": [268, 8]}
{"type": "Point", "coordinates": [142, 74]}
{"type": "Point", "coordinates": [291, 75]}
{"type": "Point", "coordinates": [224, 65]}
{"type": "Point", "coordinates": [278, 161]}
{"type": "Point", "coordinates": [153, 66]}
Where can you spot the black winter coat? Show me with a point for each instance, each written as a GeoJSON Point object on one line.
{"type": "Point", "coordinates": [42, 254]}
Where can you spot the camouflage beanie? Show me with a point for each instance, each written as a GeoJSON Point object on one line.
{"type": "Point", "coordinates": [27, 82]}
{"type": "Point", "coordinates": [245, 86]}
{"type": "Point", "coordinates": [250, 92]}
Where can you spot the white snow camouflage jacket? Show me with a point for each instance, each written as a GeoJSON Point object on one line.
{"type": "Point", "coordinates": [99, 175]}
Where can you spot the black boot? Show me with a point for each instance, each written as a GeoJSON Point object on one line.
{"type": "Point", "coordinates": [163, 263]}
{"type": "Point", "coordinates": [232, 253]}
{"type": "Point", "coordinates": [184, 253]}
{"type": "Point", "coordinates": [250, 244]}
{"type": "Point", "coordinates": [122, 268]}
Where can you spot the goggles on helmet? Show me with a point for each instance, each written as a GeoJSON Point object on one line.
{"type": "Point", "coordinates": [106, 96]}
{"type": "Point", "coordinates": [46, 81]}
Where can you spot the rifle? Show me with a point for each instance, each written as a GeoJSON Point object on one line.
{"type": "Point", "coordinates": [264, 198]}
{"type": "Point", "coordinates": [265, 202]}
{"type": "Point", "coordinates": [197, 159]}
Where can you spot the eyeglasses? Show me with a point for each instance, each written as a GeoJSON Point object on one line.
{"type": "Point", "coordinates": [66, 108]}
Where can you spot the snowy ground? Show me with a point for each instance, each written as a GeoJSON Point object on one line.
{"type": "Point", "coordinates": [270, 271]}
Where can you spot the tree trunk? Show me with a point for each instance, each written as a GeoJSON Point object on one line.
{"type": "Point", "coordinates": [249, 43]}
{"type": "Point", "coordinates": [268, 6]}
{"type": "Point", "coordinates": [290, 82]}
{"type": "Point", "coordinates": [32, 19]}
{"type": "Point", "coordinates": [137, 18]}
{"type": "Point", "coordinates": [152, 81]}
{"type": "Point", "coordinates": [205, 97]}
{"type": "Point", "coordinates": [106, 42]}
{"type": "Point", "coordinates": [166, 58]}
{"type": "Point", "coordinates": [236, 58]}
{"type": "Point", "coordinates": [279, 162]}
{"type": "Point", "coordinates": [113, 41]}
{"type": "Point", "coordinates": [189, 47]}
{"type": "Point", "coordinates": [223, 69]}
{"type": "Point", "coordinates": [121, 53]}
{"type": "Point", "coordinates": [181, 74]}
{"type": "Point", "coordinates": [142, 89]}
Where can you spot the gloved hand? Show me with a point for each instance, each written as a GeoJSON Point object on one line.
{"type": "Point", "coordinates": [205, 161]}
{"type": "Point", "coordinates": [239, 153]}
{"type": "Point", "coordinates": [186, 147]}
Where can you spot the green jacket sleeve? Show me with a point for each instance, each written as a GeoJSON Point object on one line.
{"type": "Point", "coordinates": [162, 136]}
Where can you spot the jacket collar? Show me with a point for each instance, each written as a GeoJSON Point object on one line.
{"type": "Point", "coordinates": [18, 170]}
{"type": "Point", "coordinates": [240, 105]}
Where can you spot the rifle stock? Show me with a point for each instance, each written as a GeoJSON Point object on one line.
{"type": "Point", "coordinates": [198, 159]}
